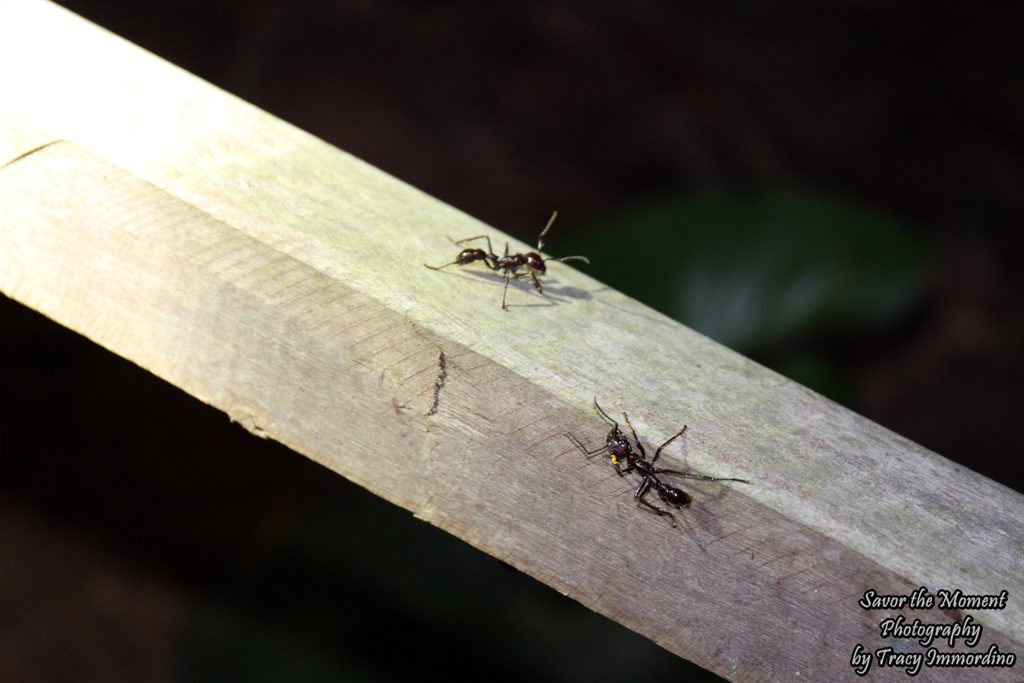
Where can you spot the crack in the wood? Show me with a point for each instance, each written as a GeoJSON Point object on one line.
{"type": "Point", "coordinates": [442, 375]}
{"type": "Point", "coordinates": [32, 151]}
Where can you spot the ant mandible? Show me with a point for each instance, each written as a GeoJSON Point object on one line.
{"type": "Point", "coordinates": [510, 263]}
{"type": "Point", "coordinates": [620, 452]}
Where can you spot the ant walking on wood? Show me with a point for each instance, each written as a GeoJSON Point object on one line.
{"type": "Point", "coordinates": [621, 453]}
{"type": "Point", "coordinates": [510, 263]}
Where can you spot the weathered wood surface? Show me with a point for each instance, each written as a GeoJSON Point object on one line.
{"type": "Point", "coordinates": [255, 267]}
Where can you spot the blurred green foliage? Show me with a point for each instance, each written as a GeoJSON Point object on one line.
{"type": "Point", "coordinates": [767, 274]}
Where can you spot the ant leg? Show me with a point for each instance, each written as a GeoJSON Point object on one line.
{"type": "Point", "coordinates": [618, 468]}
{"type": "Point", "coordinates": [695, 475]}
{"type": "Point", "coordinates": [641, 492]}
{"type": "Point", "coordinates": [670, 439]}
{"type": "Point", "coordinates": [604, 414]}
{"type": "Point", "coordinates": [504, 292]}
{"type": "Point", "coordinates": [490, 250]}
{"type": "Point", "coordinates": [536, 283]}
{"type": "Point", "coordinates": [636, 438]}
{"type": "Point", "coordinates": [589, 454]}
{"type": "Point", "coordinates": [453, 263]}
{"type": "Point", "coordinates": [469, 256]}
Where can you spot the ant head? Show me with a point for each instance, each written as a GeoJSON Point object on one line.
{"type": "Point", "coordinates": [677, 498]}
{"type": "Point", "coordinates": [619, 447]}
{"type": "Point", "coordinates": [535, 262]}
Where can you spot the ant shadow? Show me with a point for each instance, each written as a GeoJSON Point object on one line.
{"type": "Point", "coordinates": [522, 284]}
{"type": "Point", "coordinates": [702, 515]}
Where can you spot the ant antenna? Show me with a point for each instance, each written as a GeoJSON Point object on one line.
{"type": "Point", "coordinates": [570, 258]}
{"type": "Point", "coordinates": [540, 243]}
{"type": "Point", "coordinates": [604, 414]}
{"type": "Point", "coordinates": [540, 237]}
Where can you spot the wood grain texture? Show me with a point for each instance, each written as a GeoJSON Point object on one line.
{"type": "Point", "coordinates": [253, 266]}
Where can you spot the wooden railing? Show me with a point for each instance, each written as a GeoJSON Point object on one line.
{"type": "Point", "coordinates": [280, 279]}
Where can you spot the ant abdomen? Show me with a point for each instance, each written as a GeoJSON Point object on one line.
{"type": "Point", "coordinates": [677, 498]}
{"type": "Point", "coordinates": [470, 255]}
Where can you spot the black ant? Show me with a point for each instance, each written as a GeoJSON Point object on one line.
{"type": "Point", "coordinates": [620, 452]}
{"type": "Point", "coordinates": [510, 263]}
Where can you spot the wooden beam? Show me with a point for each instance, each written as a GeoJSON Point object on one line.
{"type": "Point", "coordinates": [278, 278]}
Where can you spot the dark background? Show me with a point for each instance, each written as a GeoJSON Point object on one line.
{"type": "Point", "coordinates": [833, 189]}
